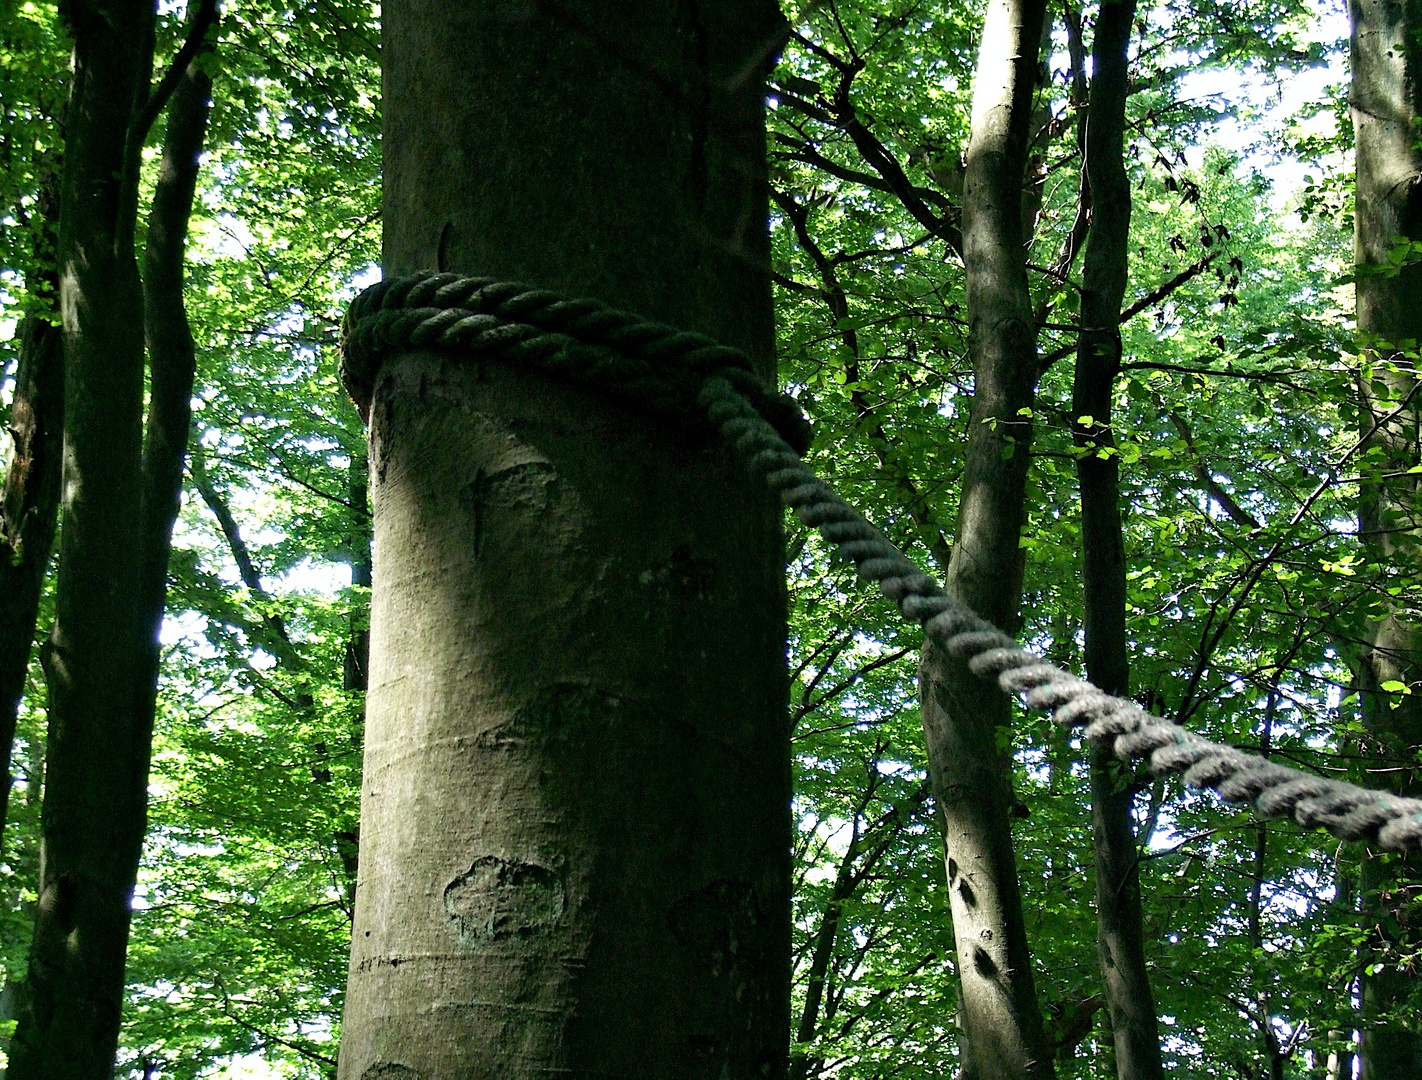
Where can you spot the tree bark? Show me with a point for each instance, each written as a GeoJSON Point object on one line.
{"type": "Point", "coordinates": [1119, 935]}
{"type": "Point", "coordinates": [29, 505]}
{"type": "Point", "coordinates": [1386, 63]}
{"type": "Point", "coordinates": [357, 659]}
{"type": "Point", "coordinates": [966, 720]}
{"type": "Point", "coordinates": [574, 849]}
{"type": "Point", "coordinates": [172, 358]}
{"type": "Point", "coordinates": [97, 760]}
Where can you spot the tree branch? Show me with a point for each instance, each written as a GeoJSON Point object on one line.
{"type": "Point", "coordinates": [929, 533]}
{"type": "Point", "coordinates": [1159, 293]}
{"type": "Point", "coordinates": [279, 641]}
{"type": "Point", "coordinates": [1237, 513]}
{"type": "Point", "coordinates": [203, 19]}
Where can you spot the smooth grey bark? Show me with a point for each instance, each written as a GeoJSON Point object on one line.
{"type": "Point", "coordinates": [1120, 939]}
{"type": "Point", "coordinates": [96, 765]}
{"type": "Point", "coordinates": [963, 716]}
{"type": "Point", "coordinates": [575, 831]}
{"type": "Point", "coordinates": [1386, 101]}
{"type": "Point", "coordinates": [29, 504]}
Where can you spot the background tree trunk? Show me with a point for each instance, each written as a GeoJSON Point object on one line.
{"type": "Point", "coordinates": [1386, 62]}
{"type": "Point", "coordinates": [967, 721]}
{"type": "Point", "coordinates": [29, 506]}
{"type": "Point", "coordinates": [172, 360]}
{"type": "Point", "coordinates": [96, 767]}
{"type": "Point", "coordinates": [574, 850]}
{"type": "Point", "coordinates": [1120, 939]}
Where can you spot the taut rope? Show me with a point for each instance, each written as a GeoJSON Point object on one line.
{"type": "Point", "coordinates": [692, 378]}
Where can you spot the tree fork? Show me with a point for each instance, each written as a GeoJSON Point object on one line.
{"type": "Point", "coordinates": [574, 849]}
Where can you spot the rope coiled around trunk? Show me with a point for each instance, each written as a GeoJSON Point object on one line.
{"type": "Point", "coordinates": [691, 378]}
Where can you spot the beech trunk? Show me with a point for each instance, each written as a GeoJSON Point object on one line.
{"type": "Point", "coordinates": [967, 720]}
{"type": "Point", "coordinates": [1119, 934]}
{"type": "Point", "coordinates": [95, 768]}
{"type": "Point", "coordinates": [575, 830]}
{"type": "Point", "coordinates": [1386, 63]}
{"type": "Point", "coordinates": [120, 497]}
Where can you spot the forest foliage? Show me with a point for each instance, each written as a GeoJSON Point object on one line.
{"type": "Point", "coordinates": [1237, 426]}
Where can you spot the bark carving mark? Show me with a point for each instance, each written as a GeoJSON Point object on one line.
{"type": "Point", "coordinates": [499, 898]}
{"type": "Point", "coordinates": [388, 1070]}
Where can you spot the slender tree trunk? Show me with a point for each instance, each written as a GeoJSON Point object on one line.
{"type": "Point", "coordinates": [96, 769]}
{"type": "Point", "coordinates": [966, 719]}
{"type": "Point", "coordinates": [1119, 935]}
{"type": "Point", "coordinates": [172, 362]}
{"type": "Point", "coordinates": [1268, 1039]}
{"type": "Point", "coordinates": [1345, 897]}
{"type": "Point", "coordinates": [574, 849]}
{"type": "Point", "coordinates": [29, 505]}
{"type": "Point", "coordinates": [357, 660]}
{"type": "Point", "coordinates": [845, 882]}
{"type": "Point", "coordinates": [1386, 62]}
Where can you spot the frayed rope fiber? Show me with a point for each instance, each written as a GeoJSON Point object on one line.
{"type": "Point", "coordinates": [689, 377]}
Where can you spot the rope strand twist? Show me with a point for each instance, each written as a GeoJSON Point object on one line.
{"type": "Point", "coordinates": [689, 377]}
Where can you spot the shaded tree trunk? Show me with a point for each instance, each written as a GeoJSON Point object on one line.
{"type": "Point", "coordinates": [1386, 100]}
{"type": "Point", "coordinates": [29, 506]}
{"type": "Point", "coordinates": [966, 720]}
{"type": "Point", "coordinates": [357, 659]}
{"type": "Point", "coordinates": [574, 844]}
{"type": "Point", "coordinates": [95, 771]}
{"type": "Point", "coordinates": [172, 359]}
{"type": "Point", "coordinates": [1119, 934]}
{"type": "Point", "coordinates": [119, 500]}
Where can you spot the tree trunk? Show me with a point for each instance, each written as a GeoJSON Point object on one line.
{"type": "Point", "coordinates": [574, 849]}
{"type": "Point", "coordinates": [96, 767]}
{"type": "Point", "coordinates": [1386, 62]}
{"type": "Point", "coordinates": [172, 362]}
{"type": "Point", "coordinates": [966, 720]}
{"type": "Point", "coordinates": [29, 505]}
{"type": "Point", "coordinates": [1119, 935]}
{"type": "Point", "coordinates": [357, 659]}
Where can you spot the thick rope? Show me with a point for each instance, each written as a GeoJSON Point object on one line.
{"type": "Point", "coordinates": [657, 367]}
{"type": "Point", "coordinates": [670, 372]}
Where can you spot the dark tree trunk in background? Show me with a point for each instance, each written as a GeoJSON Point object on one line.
{"type": "Point", "coordinates": [120, 497]}
{"type": "Point", "coordinates": [29, 505]}
{"type": "Point", "coordinates": [1120, 939]}
{"type": "Point", "coordinates": [96, 764]}
{"type": "Point", "coordinates": [1386, 62]}
{"type": "Point", "coordinates": [575, 831]}
{"type": "Point", "coordinates": [964, 717]}
{"type": "Point", "coordinates": [172, 361]}
{"type": "Point", "coordinates": [357, 660]}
